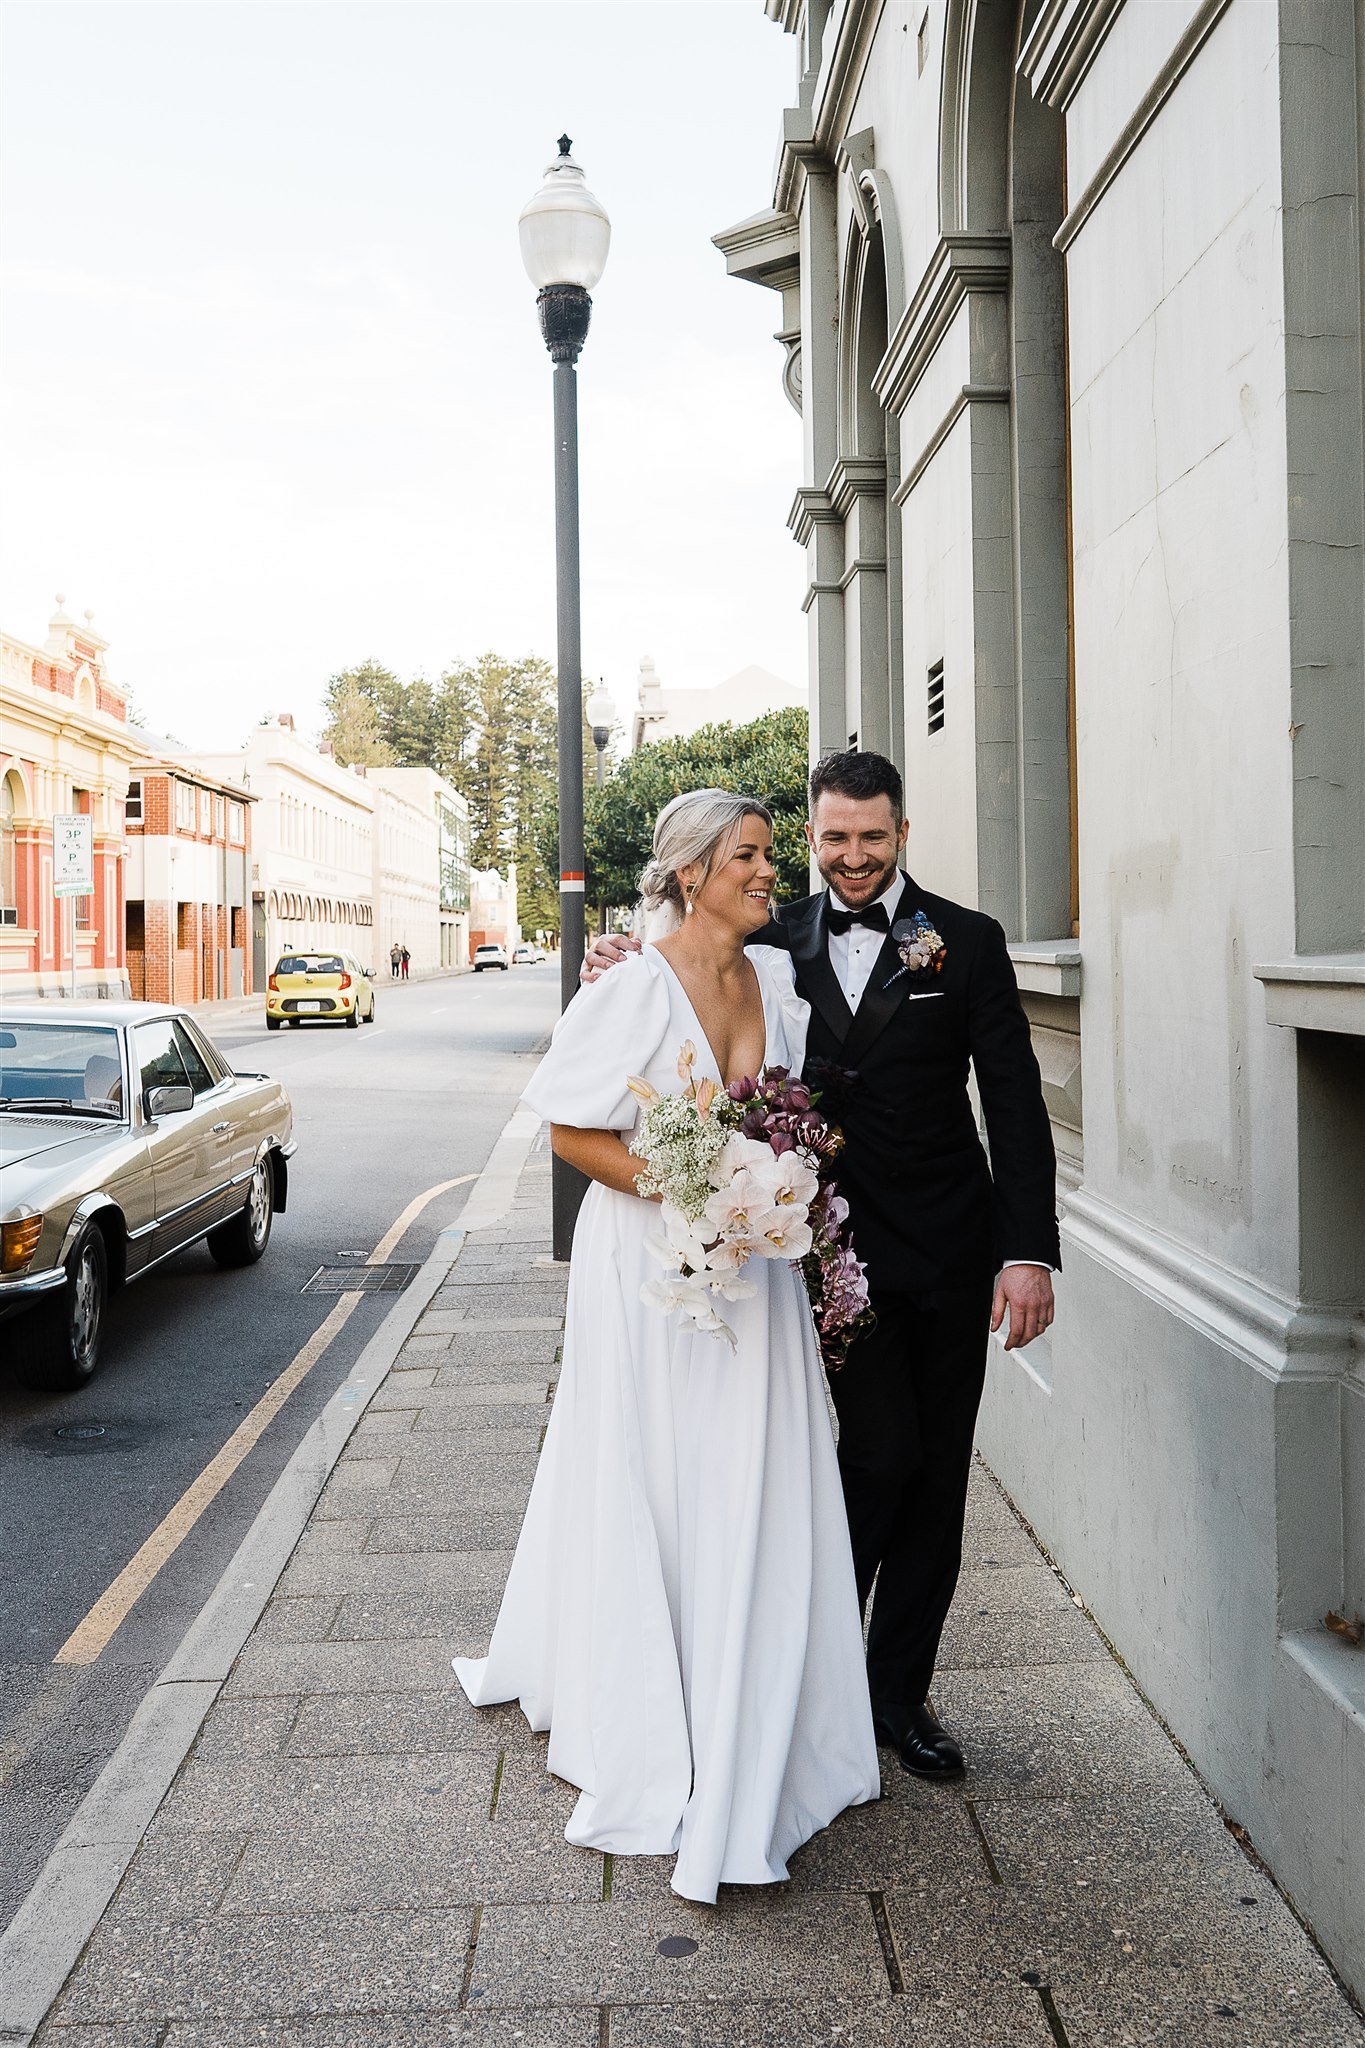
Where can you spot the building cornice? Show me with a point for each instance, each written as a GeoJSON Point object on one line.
{"type": "Point", "coordinates": [1281, 1338]}
{"type": "Point", "coordinates": [765, 249]}
{"type": "Point", "coordinates": [853, 477]}
{"type": "Point", "coordinates": [961, 264]}
{"type": "Point", "coordinates": [1064, 42]}
{"type": "Point", "coordinates": [812, 130]}
{"type": "Point", "coordinates": [1201, 26]}
{"type": "Point", "coordinates": [811, 508]}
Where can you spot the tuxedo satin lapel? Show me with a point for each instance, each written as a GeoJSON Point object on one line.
{"type": "Point", "coordinates": [880, 1003]}
{"type": "Point", "coordinates": [817, 980]}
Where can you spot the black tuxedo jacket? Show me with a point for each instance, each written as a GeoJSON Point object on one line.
{"type": "Point", "coordinates": [925, 1208]}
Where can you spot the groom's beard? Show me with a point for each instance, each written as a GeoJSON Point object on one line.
{"type": "Point", "coordinates": [865, 891]}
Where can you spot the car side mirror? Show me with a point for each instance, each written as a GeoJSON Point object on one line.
{"type": "Point", "coordinates": [167, 1101]}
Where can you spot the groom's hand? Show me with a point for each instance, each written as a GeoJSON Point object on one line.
{"type": "Point", "coordinates": [1027, 1293]}
{"type": "Point", "coordinates": [603, 953]}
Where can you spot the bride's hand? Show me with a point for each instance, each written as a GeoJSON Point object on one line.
{"type": "Point", "coordinates": [608, 951]}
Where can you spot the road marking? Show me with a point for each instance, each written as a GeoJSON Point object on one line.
{"type": "Point", "coordinates": [393, 1236]}
{"type": "Point", "coordinates": [91, 1635]}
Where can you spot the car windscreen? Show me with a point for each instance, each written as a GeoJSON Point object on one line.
{"type": "Point", "coordinates": [53, 1062]}
{"type": "Point", "coordinates": [310, 963]}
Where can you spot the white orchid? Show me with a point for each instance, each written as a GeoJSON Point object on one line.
{"type": "Point", "coordinates": [740, 1208]}
{"type": "Point", "coordinates": [787, 1235]}
{"type": "Point", "coordinates": [788, 1181]}
{"type": "Point", "coordinates": [679, 1242]}
{"type": "Point", "coordinates": [735, 1156]}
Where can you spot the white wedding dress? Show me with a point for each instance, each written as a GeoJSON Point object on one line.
{"type": "Point", "coordinates": [681, 1612]}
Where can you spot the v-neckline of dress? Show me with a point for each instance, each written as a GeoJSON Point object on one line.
{"type": "Point", "coordinates": [681, 986]}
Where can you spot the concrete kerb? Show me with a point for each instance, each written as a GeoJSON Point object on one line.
{"type": "Point", "coordinates": [46, 1937]}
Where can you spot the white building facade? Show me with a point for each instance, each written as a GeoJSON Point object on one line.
{"type": "Point", "coordinates": [313, 833]}
{"type": "Point", "coordinates": [661, 713]}
{"type": "Point", "coordinates": [1071, 309]}
{"type": "Point", "coordinates": [421, 875]}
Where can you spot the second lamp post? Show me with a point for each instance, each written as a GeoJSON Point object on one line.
{"type": "Point", "coordinates": [565, 235]}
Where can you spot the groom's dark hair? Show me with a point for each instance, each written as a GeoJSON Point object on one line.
{"type": "Point", "coordinates": [857, 774]}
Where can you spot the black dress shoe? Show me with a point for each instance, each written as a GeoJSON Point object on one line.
{"type": "Point", "coordinates": [920, 1740]}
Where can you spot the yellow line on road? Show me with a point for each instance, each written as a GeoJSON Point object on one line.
{"type": "Point", "coordinates": [86, 1641]}
{"type": "Point", "coordinates": [394, 1235]}
{"type": "Point", "coordinates": [90, 1636]}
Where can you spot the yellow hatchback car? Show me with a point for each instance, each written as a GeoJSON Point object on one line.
{"type": "Point", "coordinates": [318, 988]}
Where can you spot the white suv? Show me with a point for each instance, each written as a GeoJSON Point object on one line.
{"type": "Point", "coordinates": [490, 956]}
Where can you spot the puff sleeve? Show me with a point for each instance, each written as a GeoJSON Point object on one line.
{"type": "Point", "coordinates": [610, 1030]}
{"type": "Point", "coordinates": [776, 972]}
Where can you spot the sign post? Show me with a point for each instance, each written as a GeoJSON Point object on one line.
{"type": "Point", "coordinates": [73, 866]}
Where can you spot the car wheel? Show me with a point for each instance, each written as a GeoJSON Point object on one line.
{"type": "Point", "coordinates": [369, 1019]}
{"type": "Point", "coordinates": [58, 1345]}
{"type": "Point", "coordinates": [272, 1023]}
{"type": "Point", "coordinates": [242, 1240]}
{"type": "Point", "coordinates": [352, 1019]}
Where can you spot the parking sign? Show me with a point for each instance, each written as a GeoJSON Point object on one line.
{"type": "Point", "coordinates": [73, 854]}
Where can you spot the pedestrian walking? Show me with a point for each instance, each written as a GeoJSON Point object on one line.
{"type": "Point", "coordinates": [395, 958]}
{"type": "Point", "coordinates": [404, 957]}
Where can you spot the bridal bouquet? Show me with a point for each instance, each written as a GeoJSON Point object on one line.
{"type": "Point", "coordinates": [745, 1173]}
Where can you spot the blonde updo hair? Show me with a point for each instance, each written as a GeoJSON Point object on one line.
{"type": "Point", "coordinates": [689, 831]}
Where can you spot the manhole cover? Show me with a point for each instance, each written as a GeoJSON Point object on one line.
{"type": "Point", "coordinates": [81, 1432]}
{"type": "Point", "coordinates": [360, 1279]}
{"type": "Point", "coordinates": [677, 1945]}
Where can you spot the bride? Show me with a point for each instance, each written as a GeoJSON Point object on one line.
{"type": "Point", "coordinates": [681, 1611]}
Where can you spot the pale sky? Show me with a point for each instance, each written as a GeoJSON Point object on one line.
{"type": "Point", "coordinates": [275, 399]}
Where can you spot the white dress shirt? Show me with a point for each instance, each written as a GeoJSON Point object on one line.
{"type": "Point", "coordinates": [853, 955]}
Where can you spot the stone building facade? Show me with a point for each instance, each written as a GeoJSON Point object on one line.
{"type": "Point", "coordinates": [421, 867]}
{"type": "Point", "coordinates": [189, 886]}
{"type": "Point", "coordinates": [66, 745]}
{"type": "Point", "coordinates": [1071, 310]}
{"type": "Point", "coordinates": [312, 867]}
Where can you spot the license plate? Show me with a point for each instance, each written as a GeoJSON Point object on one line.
{"type": "Point", "coordinates": [310, 1006]}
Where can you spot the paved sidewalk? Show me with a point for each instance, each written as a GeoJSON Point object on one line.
{"type": "Point", "coordinates": [353, 1857]}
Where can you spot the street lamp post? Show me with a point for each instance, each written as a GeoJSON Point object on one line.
{"type": "Point", "coordinates": [601, 717]}
{"type": "Point", "coordinates": [565, 235]}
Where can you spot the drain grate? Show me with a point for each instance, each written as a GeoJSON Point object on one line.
{"type": "Point", "coordinates": [360, 1280]}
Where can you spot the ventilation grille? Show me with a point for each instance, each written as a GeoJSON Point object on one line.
{"type": "Point", "coordinates": [936, 697]}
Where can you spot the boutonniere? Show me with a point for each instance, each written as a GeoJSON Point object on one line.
{"type": "Point", "coordinates": [921, 948]}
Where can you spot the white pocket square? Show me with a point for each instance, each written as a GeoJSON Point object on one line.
{"type": "Point", "coordinates": [930, 995]}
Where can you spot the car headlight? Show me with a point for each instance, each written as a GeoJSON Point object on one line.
{"type": "Point", "coordinates": [18, 1243]}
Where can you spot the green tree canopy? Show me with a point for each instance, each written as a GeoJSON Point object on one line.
{"type": "Point", "coordinates": [766, 759]}
{"type": "Point", "coordinates": [488, 726]}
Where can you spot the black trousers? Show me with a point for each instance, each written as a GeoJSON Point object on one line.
{"type": "Point", "coordinates": [907, 1400]}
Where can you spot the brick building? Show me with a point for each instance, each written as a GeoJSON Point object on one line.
{"type": "Point", "coordinates": [189, 885]}
{"type": "Point", "coordinates": [66, 745]}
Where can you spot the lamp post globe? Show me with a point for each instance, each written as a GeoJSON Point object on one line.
{"type": "Point", "coordinates": [601, 718]}
{"type": "Point", "coordinates": [565, 236]}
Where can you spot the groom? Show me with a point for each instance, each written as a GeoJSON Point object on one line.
{"type": "Point", "coordinates": [908, 990]}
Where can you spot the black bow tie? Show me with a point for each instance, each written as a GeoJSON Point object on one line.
{"type": "Point", "coordinates": [874, 917]}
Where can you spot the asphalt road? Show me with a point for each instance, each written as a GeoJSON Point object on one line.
{"type": "Point", "coordinates": [381, 1115]}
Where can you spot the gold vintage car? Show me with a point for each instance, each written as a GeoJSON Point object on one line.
{"type": "Point", "coordinates": [124, 1136]}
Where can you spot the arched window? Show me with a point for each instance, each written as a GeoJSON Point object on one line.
{"type": "Point", "coordinates": [12, 806]}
